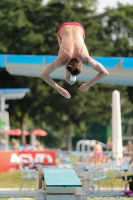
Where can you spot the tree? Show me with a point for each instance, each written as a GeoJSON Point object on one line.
{"type": "Point", "coordinates": [32, 29]}
{"type": "Point", "coordinates": [19, 21]}
{"type": "Point", "coordinates": [118, 29]}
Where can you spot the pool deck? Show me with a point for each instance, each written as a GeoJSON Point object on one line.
{"type": "Point", "coordinates": [15, 192]}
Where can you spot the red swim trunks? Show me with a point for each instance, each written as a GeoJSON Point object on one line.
{"type": "Point", "coordinates": [70, 23]}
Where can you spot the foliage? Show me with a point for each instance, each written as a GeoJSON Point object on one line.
{"type": "Point", "coordinates": [29, 27]}
{"type": "Point", "coordinates": [119, 28]}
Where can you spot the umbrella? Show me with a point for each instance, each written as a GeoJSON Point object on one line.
{"type": "Point", "coordinates": [39, 132]}
{"type": "Point", "coordinates": [15, 132]}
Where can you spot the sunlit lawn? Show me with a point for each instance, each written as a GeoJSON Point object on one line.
{"type": "Point", "coordinates": [13, 179]}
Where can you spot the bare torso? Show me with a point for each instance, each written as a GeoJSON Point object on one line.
{"type": "Point", "coordinates": [72, 42]}
{"type": "Point", "coordinates": [72, 45]}
{"type": "Point", "coordinates": [98, 148]}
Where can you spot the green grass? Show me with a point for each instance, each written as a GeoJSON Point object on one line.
{"type": "Point", "coordinates": [13, 179]}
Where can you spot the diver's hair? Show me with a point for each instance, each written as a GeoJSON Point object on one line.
{"type": "Point", "coordinates": [74, 66]}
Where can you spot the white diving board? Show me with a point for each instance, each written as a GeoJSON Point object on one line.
{"type": "Point", "coordinates": [120, 68]}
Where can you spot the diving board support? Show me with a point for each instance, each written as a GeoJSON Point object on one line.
{"type": "Point", "coordinates": [43, 195]}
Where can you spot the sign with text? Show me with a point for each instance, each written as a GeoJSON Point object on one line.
{"type": "Point", "coordinates": [12, 159]}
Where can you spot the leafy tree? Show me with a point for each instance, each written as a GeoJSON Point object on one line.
{"type": "Point", "coordinates": [19, 27]}
{"type": "Point", "coordinates": [119, 27]}
{"type": "Point", "coordinates": [32, 29]}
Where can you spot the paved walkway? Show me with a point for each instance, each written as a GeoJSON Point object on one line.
{"type": "Point", "coordinates": [15, 192]}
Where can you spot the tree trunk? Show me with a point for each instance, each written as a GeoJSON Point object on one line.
{"type": "Point", "coordinates": [23, 138]}
{"type": "Point", "coordinates": [69, 137]}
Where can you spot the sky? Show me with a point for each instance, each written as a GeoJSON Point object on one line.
{"type": "Point", "coordinates": [111, 3]}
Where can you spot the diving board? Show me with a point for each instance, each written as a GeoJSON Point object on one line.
{"type": "Point", "coordinates": [120, 68]}
{"type": "Point", "coordinates": [61, 180]}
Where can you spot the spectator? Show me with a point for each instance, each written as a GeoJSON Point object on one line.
{"type": "Point", "coordinates": [26, 147]}
{"type": "Point", "coordinates": [98, 153]}
{"type": "Point", "coordinates": [129, 149]}
{"type": "Point", "coordinates": [39, 146]}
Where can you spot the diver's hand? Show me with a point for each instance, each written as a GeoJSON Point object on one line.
{"type": "Point", "coordinates": [84, 87]}
{"type": "Point", "coordinates": [64, 93]}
